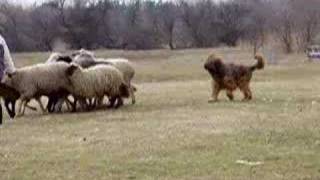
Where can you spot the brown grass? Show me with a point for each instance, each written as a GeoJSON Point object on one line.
{"type": "Point", "coordinates": [172, 132]}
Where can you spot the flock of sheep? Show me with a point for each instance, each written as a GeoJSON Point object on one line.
{"type": "Point", "coordinates": [82, 76]}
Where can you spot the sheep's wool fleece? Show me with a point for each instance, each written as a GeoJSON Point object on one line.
{"type": "Point", "coordinates": [84, 60]}
{"type": "Point", "coordinates": [40, 79]}
{"type": "Point", "coordinates": [97, 81]}
{"type": "Point", "coordinates": [123, 65]}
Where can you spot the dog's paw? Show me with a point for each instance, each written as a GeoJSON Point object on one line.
{"type": "Point", "coordinates": [212, 100]}
{"type": "Point", "coordinates": [246, 100]}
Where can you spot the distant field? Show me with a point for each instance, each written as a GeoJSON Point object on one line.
{"type": "Point", "coordinates": [172, 132]}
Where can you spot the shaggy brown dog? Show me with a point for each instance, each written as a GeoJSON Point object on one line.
{"type": "Point", "coordinates": [229, 77]}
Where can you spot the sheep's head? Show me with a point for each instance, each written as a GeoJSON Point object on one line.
{"type": "Point", "coordinates": [58, 57]}
{"type": "Point", "coordinates": [72, 69]}
{"type": "Point", "coordinates": [9, 79]}
{"type": "Point", "coordinates": [66, 59]}
{"type": "Point", "coordinates": [82, 52]}
{"type": "Point", "coordinates": [124, 90]}
{"type": "Point", "coordinates": [53, 57]}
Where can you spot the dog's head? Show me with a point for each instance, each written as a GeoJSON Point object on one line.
{"type": "Point", "coordinates": [214, 66]}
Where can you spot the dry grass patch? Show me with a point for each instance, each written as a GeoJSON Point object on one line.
{"type": "Point", "coordinates": [172, 132]}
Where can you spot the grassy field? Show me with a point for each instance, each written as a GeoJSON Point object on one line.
{"type": "Point", "coordinates": [172, 132]}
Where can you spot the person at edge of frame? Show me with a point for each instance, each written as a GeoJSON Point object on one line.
{"type": "Point", "coordinates": [6, 65]}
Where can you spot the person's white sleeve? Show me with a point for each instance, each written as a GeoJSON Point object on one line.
{"type": "Point", "coordinates": [8, 59]}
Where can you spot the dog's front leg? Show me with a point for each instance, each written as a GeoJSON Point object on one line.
{"type": "Point", "coordinates": [215, 92]}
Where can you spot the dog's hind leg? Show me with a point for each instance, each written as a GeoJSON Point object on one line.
{"type": "Point", "coordinates": [245, 89]}
{"type": "Point", "coordinates": [249, 93]}
{"type": "Point", "coordinates": [230, 95]}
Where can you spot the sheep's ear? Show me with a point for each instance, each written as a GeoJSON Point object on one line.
{"type": "Point", "coordinates": [71, 69]}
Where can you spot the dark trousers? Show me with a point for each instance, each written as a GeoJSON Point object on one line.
{"type": "Point", "coordinates": [2, 68]}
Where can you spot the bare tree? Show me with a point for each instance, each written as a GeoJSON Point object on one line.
{"type": "Point", "coordinates": [307, 19]}
{"type": "Point", "coordinates": [284, 24]}
{"type": "Point", "coordinates": [232, 16]}
{"type": "Point", "coordinates": [201, 21]}
{"type": "Point", "coordinates": [148, 24]}
{"type": "Point", "coordinates": [257, 23]}
{"type": "Point", "coordinates": [13, 24]}
{"type": "Point", "coordinates": [168, 14]}
{"type": "Point", "coordinates": [46, 28]}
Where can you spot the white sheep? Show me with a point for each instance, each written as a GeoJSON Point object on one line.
{"type": "Point", "coordinates": [38, 80]}
{"type": "Point", "coordinates": [86, 59]}
{"type": "Point", "coordinates": [126, 68]}
{"type": "Point", "coordinates": [56, 101]}
{"type": "Point", "coordinates": [96, 82]}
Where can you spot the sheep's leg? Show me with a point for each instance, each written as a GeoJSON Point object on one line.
{"type": "Point", "coordinates": [133, 98]}
{"type": "Point", "coordinates": [11, 111]}
{"type": "Point", "coordinates": [59, 104]}
{"type": "Point", "coordinates": [41, 105]}
{"type": "Point", "coordinates": [1, 113]}
{"type": "Point", "coordinates": [21, 102]}
{"type": "Point", "coordinates": [112, 101]}
{"type": "Point", "coordinates": [83, 104]}
{"type": "Point", "coordinates": [51, 104]}
{"type": "Point", "coordinates": [90, 103]}
{"type": "Point", "coordinates": [74, 105]}
{"type": "Point", "coordinates": [24, 106]}
{"type": "Point", "coordinates": [99, 101]}
{"type": "Point", "coordinates": [119, 102]}
{"type": "Point", "coordinates": [69, 104]}
{"type": "Point", "coordinates": [31, 108]}
{"type": "Point", "coordinates": [13, 108]}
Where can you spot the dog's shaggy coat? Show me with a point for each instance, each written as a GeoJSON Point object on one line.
{"type": "Point", "coordinates": [229, 77]}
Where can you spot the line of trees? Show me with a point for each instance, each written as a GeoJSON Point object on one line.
{"type": "Point", "coordinates": [149, 24]}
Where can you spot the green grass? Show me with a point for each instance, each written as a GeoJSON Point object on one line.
{"type": "Point", "coordinates": [172, 132]}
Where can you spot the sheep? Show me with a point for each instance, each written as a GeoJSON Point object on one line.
{"type": "Point", "coordinates": [96, 82]}
{"type": "Point", "coordinates": [87, 59]}
{"type": "Point", "coordinates": [84, 58]}
{"type": "Point", "coordinates": [56, 100]}
{"type": "Point", "coordinates": [38, 80]}
{"type": "Point", "coordinates": [126, 68]}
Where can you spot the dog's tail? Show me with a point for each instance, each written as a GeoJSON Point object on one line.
{"type": "Point", "coordinates": [260, 63]}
